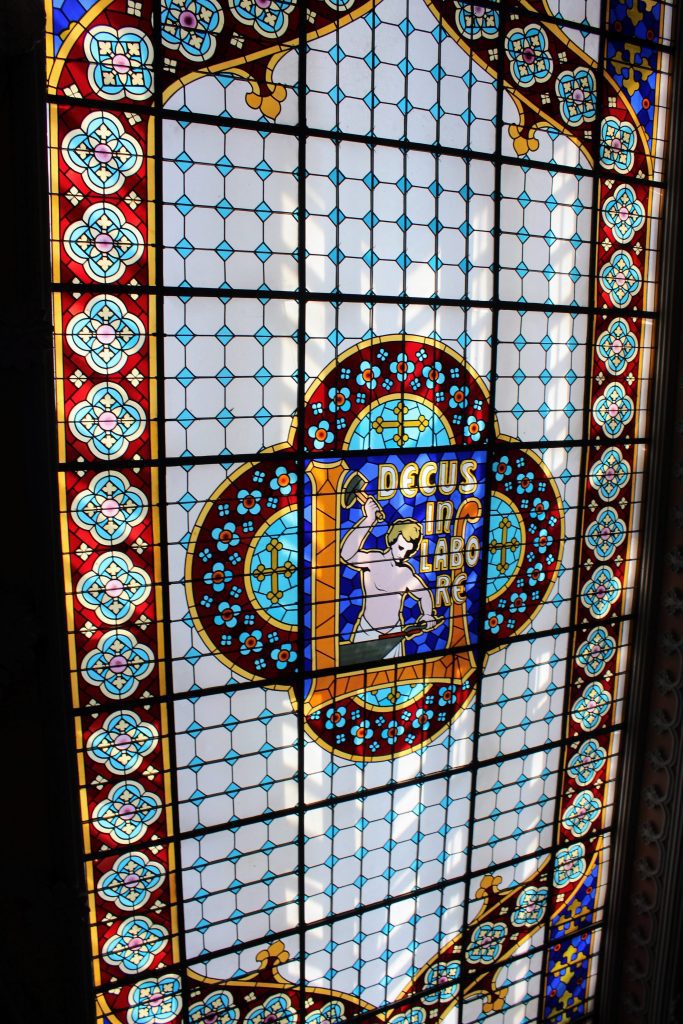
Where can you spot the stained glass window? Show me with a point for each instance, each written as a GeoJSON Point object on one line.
{"type": "Point", "coordinates": [355, 306]}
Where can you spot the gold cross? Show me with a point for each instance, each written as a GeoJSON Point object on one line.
{"type": "Point", "coordinates": [504, 546]}
{"type": "Point", "coordinates": [400, 423]}
{"type": "Point", "coordinates": [275, 570]}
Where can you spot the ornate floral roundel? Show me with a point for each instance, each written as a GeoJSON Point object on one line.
{"type": "Point", "coordinates": [411, 533]}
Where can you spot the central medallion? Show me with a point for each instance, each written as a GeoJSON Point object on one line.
{"type": "Point", "coordinates": [370, 576]}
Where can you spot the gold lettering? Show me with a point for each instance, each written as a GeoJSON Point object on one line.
{"type": "Point", "coordinates": [409, 480]}
{"type": "Point", "coordinates": [444, 515]}
{"type": "Point", "coordinates": [441, 555]}
{"type": "Point", "coordinates": [442, 596]}
{"type": "Point", "coordinates": [426, 478]}
{"type": "Point", "coordinates": [425, 564]}
{"type": "Point", "coordinates": [468, 480]}
{"type": "Point", "coordinates": [472, 551]}
{"type": "Point", "coordinates": [456, 552]}
{"type": "Point", "coordinates": [387, 482]}
{"type": "Point", "coordinates": [459, 588]}
{"type": "Point", "coordinates": [429, 519]}
{"type": "Point", "coordinates": [448, 476]}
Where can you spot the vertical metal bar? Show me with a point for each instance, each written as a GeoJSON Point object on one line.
{"type": "Point", "coordinates": [157, 299]}
{"type": "Point", "coordinates": [481, 647]}
{"type": "Point", "coordinates": [301, 520]}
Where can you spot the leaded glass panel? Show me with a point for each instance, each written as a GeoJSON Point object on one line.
{"type": "Point", "coordinates": [354, 309]}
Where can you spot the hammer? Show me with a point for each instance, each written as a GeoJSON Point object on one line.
{"type": "Point", "coordinates": [353, 490]}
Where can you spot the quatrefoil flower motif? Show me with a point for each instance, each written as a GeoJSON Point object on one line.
{"type": "Point", "coordinates": [118, 664]}
{"type": "Point", "coordinates": [155, 1000]}
{"type": "Point", "coordinates": [107, 421]}
{"type": "Point", "coordinates": [486, 943]}
{"type": "Point", "coordinates": [447, 977]}
{"type": "Point", "coordinates": [600, 592]}
{"type": "Point", "coordinates": [596, 650]}
{"type": "Point", "coordinates": [613, 409]}
{"type": "Point", "coordinates": [119, 63]}
{"type": "Point", "coordinates": [131, 881]}
{"type": "Point", "coordinates": [217, 1008]}
{"type": "Point", "coordinates": [109, 508]}
{"type": "Point", "coordinates": [191, 26]}
{"type": "Point", "coordinates": [105, 334]}
{"type": "Point", "coordinates": [114, 588]}
{"type": "Point", "coordinates": [570, 864]}
{"type": "Point", "coordinates": [104, 243]}
{"type": "Point", "coordinates": [476, 21]}
{"type": "Point", "coordinates": [624, 214]}
{"type": "Point", "coordinates": [617, 346]}
{"type": "Point", "coordinates": [605, 534]}
{"type": "Point", "coordinates": [591, 706]}
{"type": "Point", "coordinates": [269, 17]}
{"type": "Point", "coordinates": [122, 742]}
{"type": "Point", "coordinates": [530, 907]}
{"type": "Point", "coordinates": [577, 93]}
{"type": "Point", "coordinates": [134, 945]}
{"type": "Point", "coordinates": [102, 152]}
{"type": "Point", "coordinates": [276, 1009]}
{"type": "Point", "coordinates": [617, 144]}
{"type": "Point", "coordinates": [127, 812]}
{"type": "Point", "coordinates": [581, 814]}
{"type": "Point", "coordinates": [587, 762]}
{"type": "Point", "coordinates": [529, 56]}
{"type": "Point", "coordinates": [610, 474]}
{"type": "Point", "coordinates": [620, 278]}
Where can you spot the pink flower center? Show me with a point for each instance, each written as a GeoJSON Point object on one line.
{"type": "Point", "coordinates": [578, 95]}
{"type": "Point", "coordinates": [528, 55]}
{"type": "Point", "coordinates": [104, 242]}
{"type": "Point", "coordinates": [188, 20]}
{"type": "Point", "coordinates": [105, 333]}
{"type": "Point", "coordinates": [107, 421]}
{"type": "Point", "coordinates": [126, 811]}
{"type": "Point", "coordinates": [118, 663]}
{"type": "Point", "coordinates": [131, 880]}
{"type": "Point", "coordinates": [122, 741]}
{"type": "Point", "coordinates": [113, 588]}
{"type": "Point", "coordinates": [120, 63]}
{"type": "Point", "coordinates": [110, 507]}
{"type": "Point", "coordinates": [103, 152]}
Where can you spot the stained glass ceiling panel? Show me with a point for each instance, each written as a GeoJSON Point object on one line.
{"type": "Point", "coordinates": [354, 307]}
